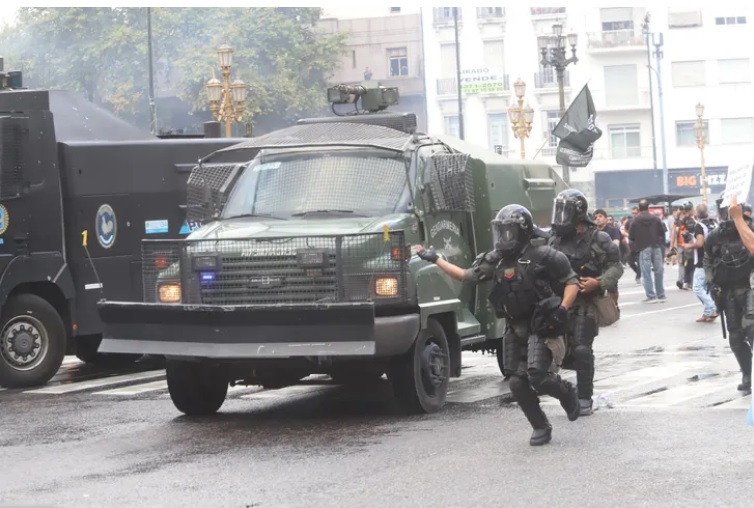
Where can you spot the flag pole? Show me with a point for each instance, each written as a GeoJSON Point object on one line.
{"type": "Point", "coordinates": [541, 147]}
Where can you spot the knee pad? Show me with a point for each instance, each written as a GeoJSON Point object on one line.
{"type": "Point", "coordinates": [584, 330]}
{"type": "Point", "coordinates": [517, 383]}
{"type": "Point", "coordinates": [583, 358]}
{"type": "Point", "coordinates": [733, 315]}
{"type": "Point", "coordinates": [539, 356]}
{"type": "Point", "coordinates": [512, 354]}
{"type": "Point", "coordinates": [738, 341]}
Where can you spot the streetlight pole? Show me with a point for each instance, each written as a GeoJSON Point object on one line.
{"type": "Point", "coordinates": [458, 75]}
{"type": "Point", "coordinates": [700, 141]}
{"type": "Point", "coordinates": [658, 56]}
{"type": "Point", "coordinates": [521, 117]}
{"type": "Point", "coordinates": [647, 35]}
{"type": "Point", "coordinates": [226, 99]}
{"type": "Point", "coordinates": [553, 50]}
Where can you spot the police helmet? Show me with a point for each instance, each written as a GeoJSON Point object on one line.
{"type": "Point", "coordinates": [512, 227]}
{"type": "Point", "coordinates": [570, 209]}
{"type": "Point", "coordinates": [688, 206]}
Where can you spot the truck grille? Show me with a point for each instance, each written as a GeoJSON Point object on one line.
{"type": "Point", "coordinates": [244, 281]}
{"type": "Point", "coordinates": [305, 270]}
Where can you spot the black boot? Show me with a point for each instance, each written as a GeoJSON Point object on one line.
{"type": "Point", "coordinates": [585, 407]}
{"type": "Point", "coordinates": [570, 401]}
{"type": "Point", "coordinates": [745, 385]}
{"type": "Point", "coordinates": [541, 436]}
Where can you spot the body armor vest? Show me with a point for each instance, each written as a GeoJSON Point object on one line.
{"type": "Point", "coordinates": [733, 263]}
{"type": "Point", "coordinates": [581, 256]}
{"type": "Point", "coordinates": [519, 286]}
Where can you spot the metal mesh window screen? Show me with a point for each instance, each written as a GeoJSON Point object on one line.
{"type": "Point", "coordinates": [312, 269]}
{"type": "Point", "coordinates": [207, 189]}
{"type": "Point", "coordinates": [292, 184]}
{"type": "Point", "coordinates": [12, 132]}
{"type": "Point", "coordinates": [329, 134]}
{"type": "Point", "coordinates": [451, 183]}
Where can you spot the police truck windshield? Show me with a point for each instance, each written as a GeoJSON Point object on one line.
{"type": "Point", "coordinates": [335, 183]}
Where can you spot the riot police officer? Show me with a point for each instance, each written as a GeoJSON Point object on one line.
{"type": "Point", "coordinates": [727, 268]}
{"type": "Point", "coordinates": [534, 286]}
{"type": "Point", "coordinates": [596, 260]}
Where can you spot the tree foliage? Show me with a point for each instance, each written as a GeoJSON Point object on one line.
{"type": "Point", "coordinates": [102, 53]}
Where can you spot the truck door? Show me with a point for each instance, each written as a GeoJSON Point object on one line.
{"type": "Point", "coordinates": [14, 208]}
{"type": "Point", "coordinates": [445, 227]}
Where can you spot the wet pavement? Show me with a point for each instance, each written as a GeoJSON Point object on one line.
{"type": "Point", "coordinates": [670, 431]}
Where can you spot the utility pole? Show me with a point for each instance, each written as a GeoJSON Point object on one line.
{"type": "Point", "coordinates": [152, 105]}
{"type": "Point", "coordinates": [658, 42]}
{"type": "Point", "coordinates": [458, 75]}
{"type": "Point", "coordinates": [647, 35]}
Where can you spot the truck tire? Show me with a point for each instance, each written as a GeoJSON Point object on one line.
{"type": "Point", "coordinates": [421, 376]}
{"type": "Point", "coordinates": [196, 389]}
{"type": "Point", "coordinates": [86, 351]}
{"type": "Point", "coordinates": [32, 342]}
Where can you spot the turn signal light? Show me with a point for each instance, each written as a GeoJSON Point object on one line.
{"type": "Point", "coordinates": [386, 286]}
{"type": "Point", "coordinates": [400, 253]}
{"type": "Point", "coordinates": [170, 293]}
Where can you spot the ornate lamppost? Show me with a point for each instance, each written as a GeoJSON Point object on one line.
{"type": "Point", "coordinates": [521, 117]}
{"type": "Point", "coordinates": [700, 141]}
{"type": "Point", "coordinates": [553, 49]}
{"type": "Point", "coordinates": [226, 99]}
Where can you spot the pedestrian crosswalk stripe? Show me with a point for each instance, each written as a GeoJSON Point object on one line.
{"type": "Point", "coordinates": [136, 389]}
{"type": "Point", "coordinates": [742, 403]}
{"type": "Point", "coordinates": [678, 395]}
{"type": "Point", "coordinates": [97, 383]}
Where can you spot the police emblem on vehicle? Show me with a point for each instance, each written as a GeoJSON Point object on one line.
{"type": "Point", "coordinates": [251, 252]}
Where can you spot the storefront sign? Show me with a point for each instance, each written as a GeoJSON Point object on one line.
{"type": "Point", "coordinates": [689, 180]}
{"type": "Point", "coordinates": [482, 80]}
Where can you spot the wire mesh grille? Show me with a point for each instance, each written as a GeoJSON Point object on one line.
{"type": "Point", "coordinates": [451, 183]}
{"type": "Point", "coordinates": [353, 182]}
{"type": "Point", "coordinates": [12, 132]}
{"type": "Point", "coordinates": [207, 190]}
{"type": "Point", "coordinates": [311, 269]}
{"type": "Point", "coordinates": [160, 262]}
{"type": "Point", "coordinates": [329, 134]}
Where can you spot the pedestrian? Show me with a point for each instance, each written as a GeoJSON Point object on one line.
{"type": "Point", "coordinates": [647, 237]}
{"type": "Point", "coordinates": [633, 255]}
{"type": "Point", "coordinates": [684, 230]}
{"type": "Point", "coordinates": [696, 247]}
{"type": "Point", "coordinates": [728, 264]}
{"type": "Point", "coordinates": [533, 289]}
{"type": "Point", "coordinates": [595, 257]}
{"type": "Point", "coordinates": [367, 74]}
{"type": "Point", "coordinates": [602, 221]}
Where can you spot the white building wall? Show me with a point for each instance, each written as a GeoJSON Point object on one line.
{"type": "Point", "coordinates": [518, 28]}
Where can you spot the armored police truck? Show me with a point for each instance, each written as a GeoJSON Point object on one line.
{"type": "Point", "coordinates": [79, 189]}
{"type": "Point", "coordinates": [305, 265]}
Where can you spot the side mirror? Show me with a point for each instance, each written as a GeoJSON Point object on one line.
{"type": "Point", "coordinates": [450, 183]}
{"type": "Point", "coordinates": [208, 188]}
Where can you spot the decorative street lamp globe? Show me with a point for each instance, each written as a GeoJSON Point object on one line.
{"type": "Point", "coordinates": [699, 109]}
{"type": "Point", "coordinates": [238, 91]}
{"type": "Point", "coordinates": [225, 56]}
{"type": "Point", "coordinates": [214, 89]}
{"type": "Point", "coordinates": [528, 115]}
{"type": "Point", "coordinates": [520, 88]}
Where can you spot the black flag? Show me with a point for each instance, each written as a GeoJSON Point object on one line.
{"type": "Point", "coordinates": [577, 132]}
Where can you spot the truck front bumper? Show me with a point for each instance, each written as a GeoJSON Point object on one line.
{"type": "Point", "coordinates": [249, 332]}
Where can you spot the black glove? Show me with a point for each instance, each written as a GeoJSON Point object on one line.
{"type": "Point", "coordinates": [428, 255]}
{"type": "Point", "coordinates": [557, 322]}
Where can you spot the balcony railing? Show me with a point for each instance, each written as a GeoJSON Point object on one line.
{"type": "Point", "coordinates": [447, 86]}
{"type": "Point", "coordinates": [490, 13]}
{"type": "Point", "coordinates": [547, 11]}
{"type": "Point", "coordinates": [548, 79]}
{"type": "Point", "coordinates": [616, 39]}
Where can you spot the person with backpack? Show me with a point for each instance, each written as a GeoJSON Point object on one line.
{"type": "Point", "coordinates": [728, 265]}
{"type": "Point", "coordinates": [596, 260]}
{"type": "Point", "coordinates": [695, 255]}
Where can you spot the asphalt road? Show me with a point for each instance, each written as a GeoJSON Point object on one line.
{"type": "Point", "coordinates": [670, 431]}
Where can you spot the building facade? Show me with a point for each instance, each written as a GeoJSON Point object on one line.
{"type": "Point", "coordinates": [385, 47]}
{"type": "Point", "coordinates": [706, 57]}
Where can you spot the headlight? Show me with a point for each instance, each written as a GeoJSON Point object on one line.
{"type": "Point", "coordinates": [170, 292]}
{"type": "Point", "coordinates": [386, 286]}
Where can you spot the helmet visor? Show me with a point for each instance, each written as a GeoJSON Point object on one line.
{"type": "Point", "coordinates": [564, 212]}
{"type": "Point", "coordinates": [505, 232]}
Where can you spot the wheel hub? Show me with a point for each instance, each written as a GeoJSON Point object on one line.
{"type": "Point", "coordinates": [23, 343]}
{"type": "Point", "coordinates": [433, 367]}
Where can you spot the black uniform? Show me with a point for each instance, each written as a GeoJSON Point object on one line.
{"type": "Point", "coordinates": [593, 254]}
{"type": "Point", "coordinates": [728, 266]}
